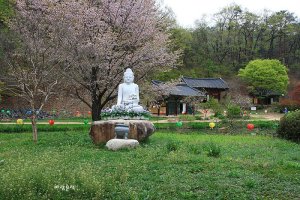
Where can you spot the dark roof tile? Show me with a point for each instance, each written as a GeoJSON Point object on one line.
{"type": "Point", "coordinates": [182, 89]}
{"type": "Point", "coordinates": [218, 83]}
{"type": "Point", "coordinates": [185, 90]}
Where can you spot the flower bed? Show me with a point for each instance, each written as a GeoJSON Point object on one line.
{"type": "Point", "coordinates": [124, 114]}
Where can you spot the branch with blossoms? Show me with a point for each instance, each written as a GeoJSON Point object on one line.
{"type": "Point", "coordinates": [154, 94]}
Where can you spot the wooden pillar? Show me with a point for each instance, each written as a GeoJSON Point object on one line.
{"type": "Point", "coordinates": [176, 107]}
{"type": "Point", "coordinates": [167, 108]}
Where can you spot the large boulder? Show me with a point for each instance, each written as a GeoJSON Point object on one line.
{"type": "Point", "coordinates": [116, 144]}
{"type": "Point", "coordinates": [103, 131]}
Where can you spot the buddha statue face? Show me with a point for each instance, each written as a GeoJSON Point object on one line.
{"type": "Point", "coordinates": [128, 76]}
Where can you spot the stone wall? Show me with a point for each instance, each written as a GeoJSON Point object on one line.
{"type": "Point", "coordinates": [60, 104]}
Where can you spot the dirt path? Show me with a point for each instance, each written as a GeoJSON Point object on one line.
{"type": "Point", "coordinates": [268, 116]}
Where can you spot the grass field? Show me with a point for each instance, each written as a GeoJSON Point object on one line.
{"type": "Point", "coordinates": [66, 165]}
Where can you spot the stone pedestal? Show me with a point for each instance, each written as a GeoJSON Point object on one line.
{"type": "Point", "coordinates": [103, 131]}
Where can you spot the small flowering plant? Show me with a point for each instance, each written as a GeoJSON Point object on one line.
{"type": "Point", "coordinates": [122, 113]}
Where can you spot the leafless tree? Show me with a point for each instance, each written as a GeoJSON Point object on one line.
{"type": "Point", "coordinates": [33, 62]}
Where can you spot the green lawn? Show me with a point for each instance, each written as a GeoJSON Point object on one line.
{"type": "Point", "coordinates": [66, 165]}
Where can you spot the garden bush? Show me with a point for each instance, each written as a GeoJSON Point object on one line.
{"type": "Point", "coordinates": [234, 111]}
{"type": "Point", "coordinates": [289, 126]}
{"type": "Point", "coordinates": [219, 116]}
{"type": "Point", "coordinates": [262, 124]}
{"type": "Point", "coordinates": [198, 125]}
{"type": "Point", "coordinates": [215, 106]}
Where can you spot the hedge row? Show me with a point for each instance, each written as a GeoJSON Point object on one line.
{"type": "Point", "coordinates": [205, 125]}
{"type": "Point", "coordinates": [14, 128]}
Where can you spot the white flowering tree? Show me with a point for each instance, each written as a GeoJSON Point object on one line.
{"type": "Point", "coordinates": [100, 39]}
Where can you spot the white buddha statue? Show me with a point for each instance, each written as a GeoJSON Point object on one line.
{"type": "Point", "coordinates": [128, 93]}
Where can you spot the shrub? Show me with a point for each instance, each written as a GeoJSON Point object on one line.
{"type": "Point", "coordinates": [233, 111]}
{"type": "Point", "coordinates": [265, 124]}
{"type": "Point", "coordinates": [214, 105]}
{"type": "Point", "coordinates": [213, 150]}
{"type": "Point", "coordinates": [289, 126]}
{"type": "Point", "coordinates": [219, 116]}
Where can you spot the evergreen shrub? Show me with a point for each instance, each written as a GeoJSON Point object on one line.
{"type": "Point", "coordinates": [289, 126]}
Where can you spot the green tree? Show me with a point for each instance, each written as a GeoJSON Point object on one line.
{"type": "Point", "coordinates": [6, 10]}
{"type": "Point", "coordinates": [262, 75]}
{"type": "Point", "coordinates": [235, 36]}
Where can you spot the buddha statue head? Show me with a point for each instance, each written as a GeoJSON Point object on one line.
{"type": "Point", "coordinates": [128, 76]}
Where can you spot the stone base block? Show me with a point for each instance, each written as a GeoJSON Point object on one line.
{"type": "Point", "coordinates": [116, 144]}
{"type": "Point", "coordinates": [103, 131]}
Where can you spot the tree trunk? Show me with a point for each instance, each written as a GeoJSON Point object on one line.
{"type": "Point", "coordinates": [96, 110]}
{"type": "Point", "coordinates": [34, 128]}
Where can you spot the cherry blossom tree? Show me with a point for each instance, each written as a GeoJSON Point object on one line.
{"type": "Point", "coordinates": [100, 39]}
{"type": "Point", "coordinates": [94, 42]}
